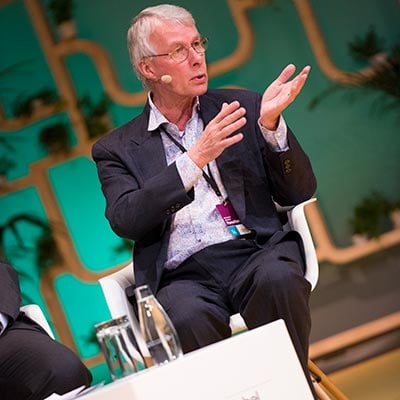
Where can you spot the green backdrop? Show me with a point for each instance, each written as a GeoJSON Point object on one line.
{"type": "Point", "coordinates": [353, 144]}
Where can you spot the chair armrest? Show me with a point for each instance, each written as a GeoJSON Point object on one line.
{"type": "Point", "coordinates": [113, 287]}
{"type": "Point", "coordinates": [34, 312]}
{"type": "Point", "coordinates": [298, 222]}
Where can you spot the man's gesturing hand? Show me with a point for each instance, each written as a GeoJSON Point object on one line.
{"type": "Point", "coordinates": [280, 93]}
{"type": "Point", "coordinates": [216, 136]}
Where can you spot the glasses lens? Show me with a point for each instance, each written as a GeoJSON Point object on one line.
{"type": "Point", "coordinates": [180, 54]}
{"type": "Point", "coordinates": [200, 45]}
{"type": "Point", "coordinates": [204, 43]}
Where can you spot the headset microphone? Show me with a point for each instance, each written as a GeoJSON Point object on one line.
{"type": "Point", "coordinates": [166, 78]}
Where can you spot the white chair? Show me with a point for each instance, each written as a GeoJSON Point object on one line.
{"type": "Point", "coordinates": [34, 312]}
{"type": "Point", "coordinates": [114, 286]}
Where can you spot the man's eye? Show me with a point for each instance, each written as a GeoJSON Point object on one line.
{"type": "Point", "coordinates": [179, 50]}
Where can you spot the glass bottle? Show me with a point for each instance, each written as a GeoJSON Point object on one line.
{"type": "Point", "coordinates": [157, 329]}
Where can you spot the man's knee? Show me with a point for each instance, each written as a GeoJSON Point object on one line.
{"type": "Point", "coordinates": [68, 370]}
{"type": "Point", "coordinates": [192, 313]}
{"type": "Point", "coordinates": [43, 366]}
{"type": "Point", "coordinates": [199, 324]}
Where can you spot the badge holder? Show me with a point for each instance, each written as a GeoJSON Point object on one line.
{"type": "Point", "coordinates": [232, 221]}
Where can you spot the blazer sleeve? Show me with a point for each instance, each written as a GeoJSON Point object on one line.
{"type": "Point", "coordinates": [291, 175]}
{"type": "Point", "coordinates": [141, 191]}
{"type": "Point", "coordinates": [10, 295]}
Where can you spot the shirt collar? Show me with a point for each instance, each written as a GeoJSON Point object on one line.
{"type": "Point", "coordinates": [156, 118]}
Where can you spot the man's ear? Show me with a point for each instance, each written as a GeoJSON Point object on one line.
{"type": "Point", "coordinates": [146, 70]}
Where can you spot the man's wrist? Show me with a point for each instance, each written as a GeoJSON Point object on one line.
{"type": "Point", "coordinates": [271, 124]}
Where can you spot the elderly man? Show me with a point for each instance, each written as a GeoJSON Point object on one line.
{"type": "Point", "coordinates": [193, 180]}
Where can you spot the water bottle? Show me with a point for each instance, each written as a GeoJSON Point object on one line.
{"type": "Point", "coordinates": [156, 327]}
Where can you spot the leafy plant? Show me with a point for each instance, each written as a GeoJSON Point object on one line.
{"type": "Point", "coordinates": [96, 114]}
{"type": "Point", "coordinates": [55, 138]}
{"type": "Point", "coordinates": [61, 10]}
{"type": "Point", "coordinates": [363, 48]}
{"type": "Point", "coordinates": [385, 80]}
{"type": "Point", "coordinates": [370, 216]}
{"type": "Point", "coordinates": [47, 251]}
{"type": "Point", "coordinates": [6, 164]}
{"type": "Point", "coordinates": [24, 106]}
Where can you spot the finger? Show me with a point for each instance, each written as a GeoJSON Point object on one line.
{"type": "Point", "coordinates": [226, 130]}
{"type": "Point", "coordinates": [231, 123]}
{"type": "Point", "coordinates": [300, 80]}
{"type": "Point", "coordinates": [230, 140]}
{"type": "Point", "coordinates": [226, 109]}
{"type": "Point", "coordinates": [286, 73]}
{"type": "Point", "coordinates": [229, 112]}
{"type": "Point", "coordinates": [232, 117]}
{"type": "Point", "coordinates": [305, 72]}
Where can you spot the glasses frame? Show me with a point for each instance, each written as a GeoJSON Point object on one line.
{"type": "Point", "coordinates": [203, 42]}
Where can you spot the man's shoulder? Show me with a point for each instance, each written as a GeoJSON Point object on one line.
{"type": "Point", "coordinates": [125, 131]}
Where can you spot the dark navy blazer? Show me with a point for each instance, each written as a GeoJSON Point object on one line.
{"type": "Point", "coordinates": [142, 192]}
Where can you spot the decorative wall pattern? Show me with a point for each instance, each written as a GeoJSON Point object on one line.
{"type": "Point", "coordinates": [62, 187]}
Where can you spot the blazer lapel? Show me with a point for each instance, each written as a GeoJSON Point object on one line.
{"type": "Point", "coordinates": [147, 148]}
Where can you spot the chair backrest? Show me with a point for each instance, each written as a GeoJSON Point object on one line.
{"type": "Point", "coordinates": [114, 285]}
{"type": "Point", "coordinates": [34, 312]}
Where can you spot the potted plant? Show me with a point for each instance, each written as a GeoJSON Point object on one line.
{"type": "Point", "coordinates": [26, 106]}
{"type": "Point", "coordinates": [54, 138]}
{"type": "Point", "coordinates": [62, 12]}
{"type": "Point", "coordinates": [45, 246]}
{"type": "Point", "coordinates": [369, 48]}
{"type": "Point", "coordinates": [5, 165]}
{"type": "Point", "coordinates": [48, 253]}
{"type": "Point", "coordinates": [44, 97]}
{"type": "Point", "coordinates": [370, 217]}
{"type": "Point", "coordinates": [385, 79]}
{"type": "Point", "coordinates": [96, 114]}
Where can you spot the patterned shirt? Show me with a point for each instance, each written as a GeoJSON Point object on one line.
{"type": "Point", "coordinates": [199, 224]}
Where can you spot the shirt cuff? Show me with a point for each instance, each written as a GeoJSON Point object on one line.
{"type": "Point", "coordinates": [189, 172]}
{"type": "Point", "coordinates": [277, 139]}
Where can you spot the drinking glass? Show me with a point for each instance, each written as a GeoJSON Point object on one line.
{"type": "Point", "coordinates": [115, 340]}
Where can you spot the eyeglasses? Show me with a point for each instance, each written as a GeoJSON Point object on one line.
{"type": "Point", "coordinates": [181, 53]}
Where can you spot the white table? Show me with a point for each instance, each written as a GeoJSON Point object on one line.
{"type": "Point", "coordinates": [255, 365]}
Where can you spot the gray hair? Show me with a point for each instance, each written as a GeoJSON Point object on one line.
{"type": "Point", "coordinates": [143, 25]}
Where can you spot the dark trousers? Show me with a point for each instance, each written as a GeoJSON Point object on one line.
{"type": "Point", "coordinates": [262, 283]}
{"type": "Point", "coordinates": [33, 365]}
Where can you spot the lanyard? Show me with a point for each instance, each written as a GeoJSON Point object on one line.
{"type": "Point", "coordinates": [209, 178]}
